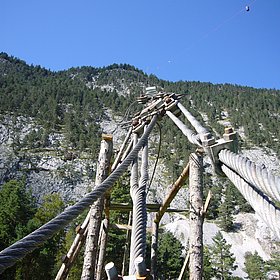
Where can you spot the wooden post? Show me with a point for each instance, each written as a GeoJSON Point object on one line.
{"type": "Point", "coordinates": [154, 247]}
{"type": "Point", "coordinates": [73, 251]}
{"type": "Point", "coordinates": [103, 239]}
{"type": "Point", "coordinates": [103, 244]}
{"type": "Point", "coordinates": [196, 217]}
{"type": "Point", "coordinates": [183, 270]}
{"type": "Point", "coordinates": [126, 248]}
{"type": "Point", "coordinates": [102, 172]}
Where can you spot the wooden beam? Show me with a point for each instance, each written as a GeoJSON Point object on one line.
{"type": "Point", "coordinates": [174, 190]}
{"type": "Point", "coordinates": [126, 207]}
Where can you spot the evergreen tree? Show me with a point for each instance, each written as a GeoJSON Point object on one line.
{"type": "Point", "coordinates": [43, 262]}
{"type": "Point", "coordinates": [254, 266]}
{"type": "Point", "coordinates": [17, 207]}
{"type": "Point", "coordinates": [208, 271]}
{"type": "Point", "coordinates": [274, 264]}
{"type": "Point", "coordinates": [117, 237]}
{"type": "Point", "coordinates": [169, 256]}
{"type": "Point", "coordinates": [226, 210]}
{"type": "Point", "coordinates": [222, 259]}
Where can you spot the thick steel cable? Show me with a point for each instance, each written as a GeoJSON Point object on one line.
{"type": "Point", "coordinates": [138, 194]}
{"type": "Point", "coordinates": [21, 248]}
{"type": "Point", "coordinates": [192, 137]}
{"type": "Point", "coordinates": [194, 122]}
{"type": "Point", "coordinates": [255, 175]}
{"type": "Point", "coordinates": [133, 187]}
{"type": "Point", "coordinates": [267, 211]}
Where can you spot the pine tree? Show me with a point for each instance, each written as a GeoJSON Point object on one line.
{"type": "Point", "coordinates": [254, 266]}
{"type": "Point", "coordinates": [274, 263]}
{"type": "Point", "coordinates": [222, 259]}
{"type": "Point", "coordinates": [226, 210]}
{"type": "Point", "coordinates": [17, 207]}
{"type": "Point", "coordinates": [169, 256]}
{"type": "Point", "coordinates": [43, 262]}
{"type": "Point", "coordinates": [208, 271]}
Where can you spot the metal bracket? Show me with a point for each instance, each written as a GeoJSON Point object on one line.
{"type": "Point", "coordinates": [229, 142]}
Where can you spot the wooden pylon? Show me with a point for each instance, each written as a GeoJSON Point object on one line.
{"type": "Point", "coordinates": [102, 173]}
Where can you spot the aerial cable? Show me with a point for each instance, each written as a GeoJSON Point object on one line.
{"type": "Point", "coordinates": [207, 34]}
{"type": "Point", "coordinates": [156, 162]}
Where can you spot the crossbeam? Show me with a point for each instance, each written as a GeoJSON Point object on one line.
{"type": "Point", "coordinates": [153, 207]}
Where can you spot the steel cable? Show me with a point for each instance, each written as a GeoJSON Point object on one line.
{"type": "Point", "coordinates": [194, 122]}
{"type": "Point", "coordinates": [267, 211]}
{"type": "Point", "coordinates": [192, 137]}
{"type": "Point", "coordinates": [138, 194]}
{"type": "Point", "coordinates": [21, 248]}
{"type": "Point", "coordinates": [255, 175]}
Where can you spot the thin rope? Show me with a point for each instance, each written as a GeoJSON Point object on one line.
{"type": "Point", "coordinates": [156, 162]}
{"type": "Point", "coordinates": [21, 248]}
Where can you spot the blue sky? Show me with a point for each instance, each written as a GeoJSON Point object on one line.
{"type": "Point", "coordinates": [194, 40]}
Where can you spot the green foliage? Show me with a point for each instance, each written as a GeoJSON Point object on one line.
{"type": "Point", "coordinates": [43, 263]}
{"type": "Point", "coordinates": [208, 270]}
{"type": "Point", "coordinates": [212, 211]}
{"type": "Point", "coordinates": [169, 256]}
{"type": "Point", "coordinates": [254, 266]}
{"type": "Point", "coordinates": [116, 237]}
{"type": "Point", "coordinates": [222, 259]}
{"type": "Point", "coordinates": [19, 217]}
{"type": "Point", "coordinates": [16, 208]}
{"type": "Point", "coordinates": [226, 210]}
{"type": "Point", "coordinates": [274, 263]}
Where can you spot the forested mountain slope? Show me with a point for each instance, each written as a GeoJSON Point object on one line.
{"type": "Point", "coordinates": [51, 123]}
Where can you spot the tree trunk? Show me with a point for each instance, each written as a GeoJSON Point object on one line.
{"type": "Point", "coordinates": [196, 218]}
{"type": "Point", "coordinates": [103, 244]}
{"type": "Point", "coordinates": [154, 248]}
{"type": "Point", "coordinates": [97, 209]}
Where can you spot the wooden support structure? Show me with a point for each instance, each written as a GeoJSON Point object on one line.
{"type": "Point", "coordinates": [102, 173]}
{"type": "Point", "coordinates": [154, 247]}
{"type": "Point", "coordinates": [127, 243]}
{"type": "Point", "coordinates": [184, 268]}
{"type": "Point", "coordinates": [74, 250]}
{"type": "Point", "coordinates": [151, 207]}
{"type": "Point", "coordinates": [196, 217]}
{"type": "Point", "coordinates": [174, 190]}
{"type": "Point", "coordinates": [102, 246]}
{"type": "Point", "coordinates": [103, 239]}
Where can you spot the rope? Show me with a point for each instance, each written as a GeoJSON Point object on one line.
{"type": "Point", "coordinates": [21, 248]}
{"type": "Point", "coordinates": [259, 202]}
{"type": "Point", "coordinates": [156, 162]}
{"type": "Point", "coordinates": [192, 137]}
{"type": "Point", "coordinates": [194, 122]}
{"type": "Point", "coordinates": [138, 194]}
{"type": "Point", "coordinates": [255, 175]}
